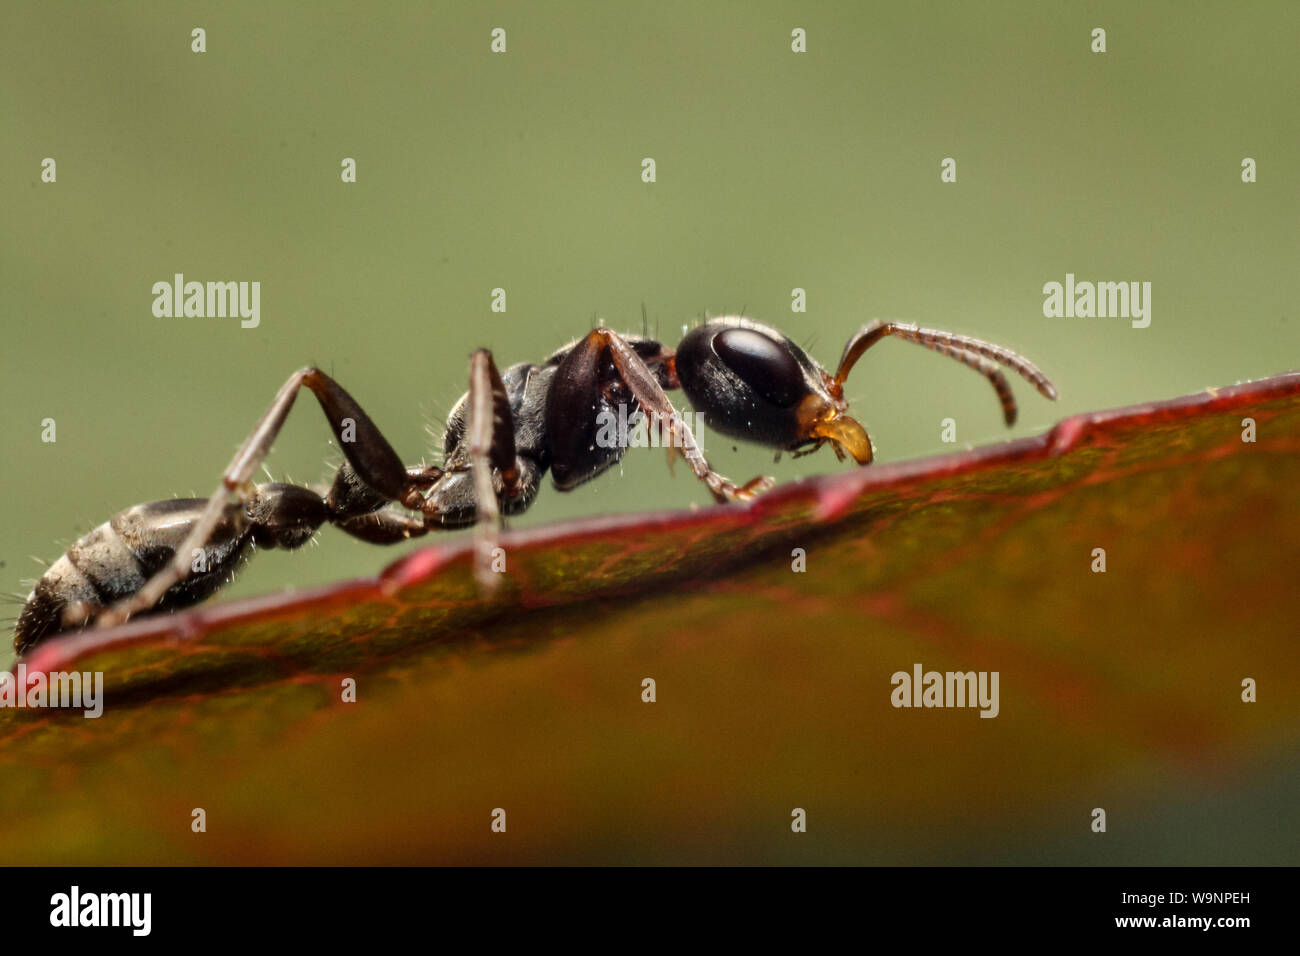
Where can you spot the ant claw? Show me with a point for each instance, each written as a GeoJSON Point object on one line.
{"type": "Point", "coordinates": [750, 489]}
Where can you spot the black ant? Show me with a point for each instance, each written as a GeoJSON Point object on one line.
{"type": "Point", "coordinates": [750, 381]}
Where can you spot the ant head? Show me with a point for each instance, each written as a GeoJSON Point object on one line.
{"type": "Point", "coordinates": [752, 383]}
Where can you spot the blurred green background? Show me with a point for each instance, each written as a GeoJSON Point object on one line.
{"type": "Point", "coordinates": [523, 171]}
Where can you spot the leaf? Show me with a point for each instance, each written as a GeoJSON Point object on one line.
{"type": "Point", "coordinates": [1119, 689]}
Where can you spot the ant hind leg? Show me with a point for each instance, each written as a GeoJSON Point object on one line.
{"type": "Point", "coordinates": [365, 447]}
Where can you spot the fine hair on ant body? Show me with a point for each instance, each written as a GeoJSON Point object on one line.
{"type": "Point", "coordinates": [750, 381]}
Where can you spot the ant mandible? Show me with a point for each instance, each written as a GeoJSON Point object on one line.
{"type": "Point", "coordinates": [750, 381]}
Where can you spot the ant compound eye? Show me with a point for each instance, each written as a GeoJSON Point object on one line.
{"type": "Point", "coordinates": [764, 365]}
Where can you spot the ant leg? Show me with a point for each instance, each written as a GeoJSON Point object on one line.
{"type": "Point", "coordinates": [385, 526]}
{"type": "Point", "coordinates": [491, 435]}
{"type": "Point", "coordinates": [982, 356]}
{"type": "Point", "coordinates": [654, 402]}
{"type": "Point", "coordinates": [366, 449]}
{"type": "Point", "coordinates": [486, 473]}
{"type": "Point", "coordinates": [350, 497]}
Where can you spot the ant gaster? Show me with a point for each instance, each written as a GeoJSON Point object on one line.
{"type": "Point", "coordinates": [750, 381]}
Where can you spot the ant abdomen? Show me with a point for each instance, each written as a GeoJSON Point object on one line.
{"type": "Point", "coordinates": [114, 561]}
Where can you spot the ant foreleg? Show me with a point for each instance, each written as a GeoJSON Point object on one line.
{"type": "Point", "coordinates": [366, 449]}
{"type": "Point", "coordinates": [654, 402]}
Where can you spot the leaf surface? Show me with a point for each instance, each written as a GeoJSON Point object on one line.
{"type": "Point", "coordinates": [1119, 690]}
